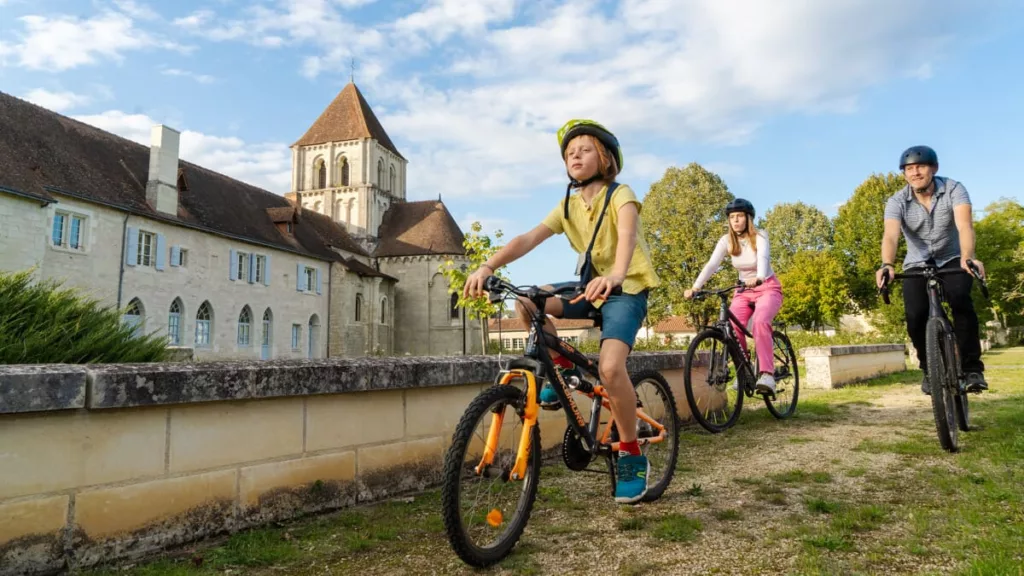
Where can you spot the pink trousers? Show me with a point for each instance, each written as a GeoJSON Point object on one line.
{"type": "Point", "coordinates": [763, 303]}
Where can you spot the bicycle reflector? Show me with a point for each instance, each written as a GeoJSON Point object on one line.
{"type": "Point", "coordinates": [494, 518]}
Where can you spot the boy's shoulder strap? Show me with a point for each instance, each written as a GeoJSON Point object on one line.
{"type": "Point", "coordinates": [607, 201]}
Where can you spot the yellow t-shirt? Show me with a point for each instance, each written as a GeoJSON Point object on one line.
{"type": "Point", "coordinates": [579, 228]}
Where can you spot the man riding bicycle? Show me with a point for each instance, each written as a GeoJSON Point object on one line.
{"type": "Point", "coordinates": [934, 214]}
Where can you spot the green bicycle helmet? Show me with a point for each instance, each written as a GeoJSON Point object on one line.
{"type": "Point", "coordinates": [578, 127]}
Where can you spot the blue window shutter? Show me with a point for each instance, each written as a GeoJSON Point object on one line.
{"type": "Point", "coordinates": [317, 274]}
{"type": "Point", "coordinates": [131, 253]}
{"type": "Point", "coordinates": [233, 265]}
{"type": "Point", "coordinates": [300, 278]}
{"type": "Point", "coordinates": [175, 255]}
{"type": "Point", "coordinates": [252, 268]}
{"type": "Point", "coordinates": [161, 252]}
{"type": "Point", "coordinates": [266, 271]}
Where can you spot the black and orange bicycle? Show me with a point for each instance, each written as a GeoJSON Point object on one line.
{"type": "Point", "coordinates": [489, 487]}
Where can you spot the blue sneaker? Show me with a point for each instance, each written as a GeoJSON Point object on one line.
{"type": "Point", "coordinates": [631, 480]}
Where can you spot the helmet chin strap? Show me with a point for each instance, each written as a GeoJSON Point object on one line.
{"type": "Point", "coordinates": [574, 183]}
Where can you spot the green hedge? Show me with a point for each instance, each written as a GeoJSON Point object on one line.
{"type": "Point", "coordinates": [43, 323]}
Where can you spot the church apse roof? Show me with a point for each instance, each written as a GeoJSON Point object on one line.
{"type": "Point", "coordinates": [418, 229]}
{"type": "Point", "coordinates": [347, 117]}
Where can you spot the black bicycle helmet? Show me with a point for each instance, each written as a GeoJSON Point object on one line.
{"type": "Point", "coordinates": [739, 205]}
{"type": "Point", "coordinates": [918, 155]}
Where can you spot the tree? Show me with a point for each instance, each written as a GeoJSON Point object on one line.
{"type": "Point", "coordinates": [792, 227]}
{"type": "Point", "coordinates": [999, 240]}
{"type": "Point", "coordinates": [479, 247]}
{"type": "Point", "coordinates": [815, 291]}
{"type": "Point", "coordinates": [683, 218]}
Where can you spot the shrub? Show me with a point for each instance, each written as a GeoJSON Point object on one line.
{"type": "Point", "coordinates": [43, 323]}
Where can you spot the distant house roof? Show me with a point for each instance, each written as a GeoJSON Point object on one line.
{"type": "Point", "coordinates": [43, 153]}
{"type": "Point", "coordinates": [347, 117]}
{"type": "Point", "coordinates": [419, 228]}
{"type": "Point", "coordinates": [513, 324]}
{"type": "Point", "coordinates": [674, 324]}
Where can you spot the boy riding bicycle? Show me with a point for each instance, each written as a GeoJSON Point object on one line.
{"type": "Point", "coordinates": [616, 255]}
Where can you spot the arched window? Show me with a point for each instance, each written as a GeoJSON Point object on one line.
{"type": "Point", "coordinates": [134, 316]}
{"type": "Point", "coordinates": [455, 305]}
{"type": "Point", "coordinates": [321, 173]}
{"type": "Point", "coordinates": [314, 335]}
{"type": "Point", "coordinates": [380, 172]}
{"type": "Point", "coordinates": [391, 179]}
{"type": "Point", "coordinates": [359, 307]}
{"type": "Point", "coordinates": [343, 169]}
{"type": "Point", "coordinates": [204, 324]}
{"type": "Point", "coordinates": [268, 330]}
{"type": "Point", "coordinates": [316, 206]}
{"type": "Point", "coordinates": [384, 311]}
{"type": "Point", "coordinates": [244, 326]}
{"type": "Point", "coordinates": [174, 323]}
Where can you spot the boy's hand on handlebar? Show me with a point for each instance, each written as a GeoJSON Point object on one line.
{"type": "Point", "coordinates": [474, 287]}
{"type": "Point", "coordinates": [600, 288]}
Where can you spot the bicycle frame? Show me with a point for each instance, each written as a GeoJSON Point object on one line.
{"type": "Point", "coordinates": [726, 322]}
{"type": "Point", "coordinates": [536, 361]}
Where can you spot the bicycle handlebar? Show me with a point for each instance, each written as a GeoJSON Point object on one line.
{"type": "Point", "coordinates": [739, 286]}
{"type": "Point", "coordinates": [928, 271]}
{"type": "Point", "coordinates": [496, 287]}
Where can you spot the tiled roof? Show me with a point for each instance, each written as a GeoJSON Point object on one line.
{"type": "Point", "coordinates": [347, 117]}
{"type": "Point", "coordinates": [44, 153]}
{"type": "Point", "coordinates": [419, 228]}
{"type": "Point", "coordinates": [674, 324]}
{"type": "Point", "coordinates": [364, 269]}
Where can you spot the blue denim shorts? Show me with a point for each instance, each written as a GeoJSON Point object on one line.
{"type": "Point", "coordinates": [622, 315]}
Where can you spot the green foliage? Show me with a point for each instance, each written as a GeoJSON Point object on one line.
{"type": "Point", "coordinates": [858, 246]}
{"type": "Point", "coordinates": [794, 227]}
{"type": "Point", "coordinates": [803, 339]}
{"type": "Point", "coordinates": [815, 291]}
{"type": "Point", "coordinates": [43, 323]}
{"type": "Point", "coordinates": [999, 244]}
{"type": "Point", "coordinates": [479, 247]}
{"type": "Point", "coordinates": [683, 218]}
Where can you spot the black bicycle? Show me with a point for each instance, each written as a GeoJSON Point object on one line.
{"type": "Point", "coordinates": [947, 382]}
{"type": "Point", "coordinates": [488, 489]}
{"type": "Point", "coordinates": [715, 388]}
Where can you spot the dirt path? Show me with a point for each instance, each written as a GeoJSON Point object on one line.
{"type": "Point", "coordinates": [854, 484]}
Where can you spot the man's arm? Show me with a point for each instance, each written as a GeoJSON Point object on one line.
{"type": "Point", "coordinates": [890, 241]}
{"type": "Point", "coordinates": [965, 227]}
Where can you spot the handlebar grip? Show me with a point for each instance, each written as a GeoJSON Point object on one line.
{"type": "Point", "coordinates": [492, 283]}
{"type": "Point", "coordinates": [885, 295]}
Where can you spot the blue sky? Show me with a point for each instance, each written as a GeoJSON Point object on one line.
{"type": "Point", "coordinates": [787, 100]}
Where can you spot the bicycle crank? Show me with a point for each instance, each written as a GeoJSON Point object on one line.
{"type": "Point", "coordinates": [574, 454]}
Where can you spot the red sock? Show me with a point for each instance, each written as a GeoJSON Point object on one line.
{"type": "Point", "coordinates": [632, 447]}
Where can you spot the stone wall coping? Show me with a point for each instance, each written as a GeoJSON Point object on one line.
{"type": "Point", "coordinates": [51, 387]}
{"type": "Point", "coordinates": [847, 350]}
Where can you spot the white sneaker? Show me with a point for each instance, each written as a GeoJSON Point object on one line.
{"type": "Point", "coordinates": [766, 383]}
{"type": "Point", "coordinates": [735, 384]}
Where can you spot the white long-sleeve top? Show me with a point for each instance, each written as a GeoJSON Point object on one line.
{"type": "Point", "coordinates": [749, 264]}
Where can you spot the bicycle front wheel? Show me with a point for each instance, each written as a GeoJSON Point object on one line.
{"type": "Point", "coordinates": [711, 382]}
{"type": "Point", "coordinates": [942, 383]}
{"type": "Point", "coordinates": [484, 510]}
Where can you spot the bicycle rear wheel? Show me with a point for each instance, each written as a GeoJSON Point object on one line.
{"type": "Point", "coordinates": [787, 378]}
{"type": "Point", "coordinates": [485, 514]}
{"type": "Point", "coordinates": [710, 378]}
{"type": "Point", "coordinates": [655, 398]}
{"type": "Point", "coordinates": [941, 382]}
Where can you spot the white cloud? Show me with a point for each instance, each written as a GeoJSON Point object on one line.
{"type": "Point", "coordinates": [137, 10]}
{"type": "Point", "coordinates": [267, 165]}
{"type": "Point", "coordinates": [441, 19]}
{"type": "Point", "coordinates": [62, 42]}
{"type": "Point", "coordinates": [58, 101]}
{"type": "Point", "coordinates": [201, 78]}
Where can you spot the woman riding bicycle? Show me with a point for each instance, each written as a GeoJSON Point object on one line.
{"type": "Point", "coordinates": [619, 257]}
{"type": "Point", "coordinates": [763, 295]}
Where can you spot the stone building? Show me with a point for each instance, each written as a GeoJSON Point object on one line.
{"type": "Point", "coordinates": [226, 268]}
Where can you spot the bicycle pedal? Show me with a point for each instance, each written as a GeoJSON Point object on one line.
{"type": "Point", "coordinates": [550, 407]}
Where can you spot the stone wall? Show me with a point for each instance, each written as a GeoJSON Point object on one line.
{"type": "Point", "coordinates": [21, 221]}
{"type": "Point", "coordinates": [116, 461]}
{"type": "Point", "coordinates": [833, 366]}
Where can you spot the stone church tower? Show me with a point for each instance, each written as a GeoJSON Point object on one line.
{"type": "Point", "coordinates": [346, 167]}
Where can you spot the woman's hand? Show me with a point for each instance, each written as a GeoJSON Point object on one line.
{"type": "Point", "coordinates": [688, 294]}
{"type": "Point", "coordinates": [751, 283]}
{"type": "Point", "coordinates": [474, 287]}
{"type": "Point", "coordinates": [600, 288]}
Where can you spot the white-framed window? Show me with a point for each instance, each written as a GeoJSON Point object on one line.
{"type": "Point", "coordinates": [68, 230]}
{"type": "Point", "coordinates": [174, 323]}
{"type": "Point", "coordinates": [518, 343]}
{"type": "Point", "coordinates": [311, 278]}
{"type": "Point", "coordinates": [296, 336]}
{"type": "Point", "coordinates": [242, 265]}
{"type": "Point", "coordinates": [146, 255]}
{"type": "Point", "coordinates": [179, 256]}
{"type": "Point", "coordinates": [261, 269]}
{"type": "Point", "coordinates": [307, 279]}
{"type": "Point", "coordinates": [204, 323]}
{"type": "Point", "coordinates": [244, 326]}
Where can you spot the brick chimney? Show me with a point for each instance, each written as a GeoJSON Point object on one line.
{"type": "Point", "coordinates": [162, 186]}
